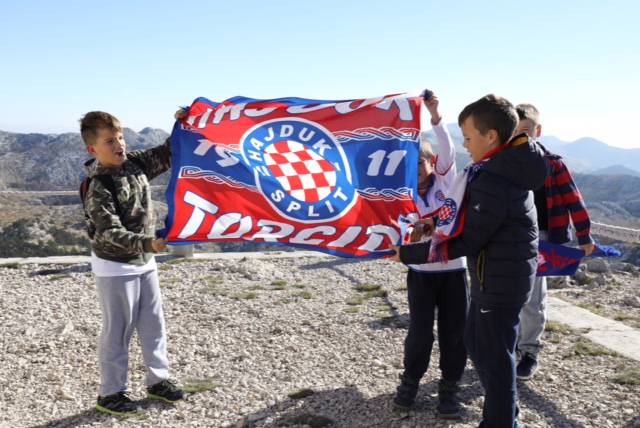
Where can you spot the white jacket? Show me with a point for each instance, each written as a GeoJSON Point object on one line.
{"type": "Point", "coordinates": [441, 181]}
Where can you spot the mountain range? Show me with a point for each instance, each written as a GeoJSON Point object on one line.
{"type": "Point", "coordinates": [54, 161]}
{"type": "Point", "coordinates": [585, 155]}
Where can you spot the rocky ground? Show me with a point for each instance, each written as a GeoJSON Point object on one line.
{"type": "Point", "coordinates": [609, 289]}
{"type": "Point", "coordinates": [283, 342]}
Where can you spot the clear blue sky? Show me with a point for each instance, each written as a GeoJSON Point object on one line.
{"type": "Point", "coordinates": [578, 61]}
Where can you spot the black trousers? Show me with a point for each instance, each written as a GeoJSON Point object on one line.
{"type": "Point", "coordinates": [448, 292]}
{"type": "Point", "coordinates": [490, 338]}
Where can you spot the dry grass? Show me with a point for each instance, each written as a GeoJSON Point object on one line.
{"type": "Point", "coordinates": [245, 296]}
{"type": "Point", "coordinates": [354, 301]}
{"type": "Point", "coordinates": [584, 347]}
{"type": "Point", "coordinates": [11, 266]}
{"type": "Point", "coordinates": [629, 376]}
{"type": "Point", "coordinates": [279, 284]}
{"type": "Point", "coordinates": [367, 287]}
{"type": "Point", "coordinates": [304, 294]}
{"type": "Point", "coordinates": [193, 386]}
{"type": "Point", "coordinates": [302, 393]}
{"type": "Point", "coordinates": [557, 327]}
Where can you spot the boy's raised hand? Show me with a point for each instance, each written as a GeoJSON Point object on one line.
{"type": "Point", "coordinates": [180, 114]}
{"type": "Point", "coordinates": [431, 102]}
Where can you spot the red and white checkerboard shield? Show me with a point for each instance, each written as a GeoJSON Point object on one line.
{"type": "Point", "coordinates": [302, 173]}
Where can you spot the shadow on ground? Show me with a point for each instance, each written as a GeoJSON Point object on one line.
{"type": "Point", "coordinates": [348, 407]}
{"type": "Point", "coordinates": [92, 416]}
{"type": "Point", "coordinates": [544, 407]}
{"type": "Point", "coordinates": [334, 266]}
{"type": "Point", "coordinates": [633, 423]}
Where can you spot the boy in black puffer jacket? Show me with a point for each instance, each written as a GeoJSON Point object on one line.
{"type": "Point", "coordinates": [500, 239]}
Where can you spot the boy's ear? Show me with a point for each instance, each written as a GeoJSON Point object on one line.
{"type": "Point", "coordinates": [494, 138]}
{"type": "Point", "coordinates": [91, 150]}
{"type": "Point", "coordinates": [538, 131]}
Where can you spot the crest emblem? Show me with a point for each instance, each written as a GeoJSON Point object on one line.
{"type": "Point", "coordinates": [448, 210]}
{"type": "Point", "coordinates": [300, 169]}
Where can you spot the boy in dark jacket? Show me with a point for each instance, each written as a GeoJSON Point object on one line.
{"type": "Point", "coordinates": [500, 239]}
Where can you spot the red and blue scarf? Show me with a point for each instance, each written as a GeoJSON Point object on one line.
{"type": "Point", "coordinates": [452, 214]}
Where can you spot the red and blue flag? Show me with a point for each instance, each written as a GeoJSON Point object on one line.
{"type": "Point", "coordinates": [560, 260]}
{"type": "Point", "coordinates": [333, 176]}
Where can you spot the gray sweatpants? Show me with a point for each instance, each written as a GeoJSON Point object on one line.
{"type": "Point", "coordinates": [533, 316]}
{"type": "Point", "coordinates": [129, 303]}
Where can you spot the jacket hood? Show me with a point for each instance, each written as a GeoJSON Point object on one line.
{"type": "Point", "coordinates": [523, 163]}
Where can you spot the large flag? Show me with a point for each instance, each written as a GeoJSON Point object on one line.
{"type": "Point", "coordinates": [333, 176]}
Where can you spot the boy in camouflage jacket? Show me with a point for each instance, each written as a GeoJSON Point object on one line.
{"type": "Point", "coordinates": [120, 225]}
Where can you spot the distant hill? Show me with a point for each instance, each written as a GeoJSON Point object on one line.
{"type": "Point", "coordinates": [611, 191]}
{"type": "Point", "coordinates": [585, 155]}
{"type": "Point", "coordinates": [612, 199]}
{"type": "Point", "coordinates": [616, 170]}
{"type": "Point", "coordinates": [589, 154]}
{"type": "Point", "coordinates": [55, 161]}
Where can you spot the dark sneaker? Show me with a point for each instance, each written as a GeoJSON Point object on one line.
{"type": "Point", "coordinates": [166, 391]}
{"type": "Point", "coordinates": [448, 406]}
{"type": "Point", "coordinates": [405, 394]}
{"type": "Point", "coordinates": [516, 424]}
{"type": "Point", "coordinates": [526, 367]}
{"type": "Point", "coordinates": [116, 404]}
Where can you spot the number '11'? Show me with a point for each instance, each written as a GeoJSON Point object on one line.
{"type": "Point", "coordinates": [393, 160]}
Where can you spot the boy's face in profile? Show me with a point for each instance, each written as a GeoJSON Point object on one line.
{"type": "Point", "coordinates": [425, 169]}
{"type": "Point", "coordinates": [528, 127]}
{"type": "Point", "coordinates": [477, 145]}
{"type": "Point", "coordinates": [109, 148]}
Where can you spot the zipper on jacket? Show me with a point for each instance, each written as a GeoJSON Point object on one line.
{"type": "Point", "coordinates": [480, 269]}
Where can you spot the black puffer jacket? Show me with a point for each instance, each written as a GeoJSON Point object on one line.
{"type": "Point", "coordinates": [500, 235]}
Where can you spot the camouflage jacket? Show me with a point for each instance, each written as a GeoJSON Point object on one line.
{"type": "Point", "coordinates": [125, 235]}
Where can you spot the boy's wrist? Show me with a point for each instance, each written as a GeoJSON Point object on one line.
{"type": "Point", "coordinates": [414, 254]}
{"type": "Point", "coordinates": [147, 244]}
{"type": "Point", "coordinates": [585, 240]}
{"type": "Point", "coordinates": [436, 119]}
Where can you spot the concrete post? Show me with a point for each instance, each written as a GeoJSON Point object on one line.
{"type": "Point", "coordinates": [185, 251]}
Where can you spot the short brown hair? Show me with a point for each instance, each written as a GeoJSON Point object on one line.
{"type": "Point", "coordinates": [528, 112]}
{"type": "Point", "coordinates": [95, 120]}
{"type": "Point", "coordinates": [492, 112]}
{"type": "Point", "coordinates": [426, 151]}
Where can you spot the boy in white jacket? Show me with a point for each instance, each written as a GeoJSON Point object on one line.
{"type": "Point", "coordinates": [435, 284]}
